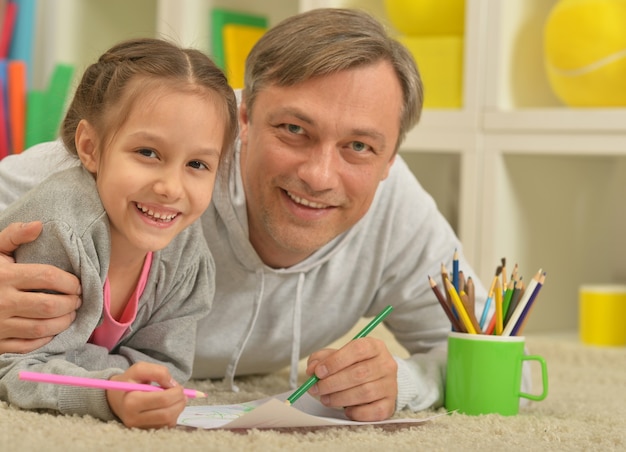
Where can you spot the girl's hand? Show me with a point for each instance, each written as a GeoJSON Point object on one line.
{"type": "Point", "coordinates": [148, 409]}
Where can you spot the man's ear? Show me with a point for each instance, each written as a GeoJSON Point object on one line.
{"type": "Point", "coordinates": [386, 172]}
{"type": "Point", "coordinates": [86, 146]}
{"type": "Point", "coordinates": [244, 120]}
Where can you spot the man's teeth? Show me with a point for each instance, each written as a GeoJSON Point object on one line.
{"type": "Point", "coordinates": [305, 202]}
{"type": "Point", "coordinates": [157, 215]}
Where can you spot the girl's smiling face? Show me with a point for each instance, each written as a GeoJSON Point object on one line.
{"type": "Point", "coordinates": [156, 174]}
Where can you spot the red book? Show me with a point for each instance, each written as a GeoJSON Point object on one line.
{"type": "Point", "coordinates": [8, 25]}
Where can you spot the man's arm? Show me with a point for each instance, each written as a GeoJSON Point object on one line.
{"type": "Point", "coordinates": [21, 172]}
{"type": "Point", "coordinates": [30, 316]}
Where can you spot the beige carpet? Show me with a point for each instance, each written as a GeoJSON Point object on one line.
{"type": "Point", "coordinates": [585, 411]}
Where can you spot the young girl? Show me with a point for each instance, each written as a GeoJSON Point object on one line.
{"type": "Point", "coordinates": [150, 122]}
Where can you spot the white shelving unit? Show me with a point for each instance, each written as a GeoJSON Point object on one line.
{"type": "Point", "coordinates": [516, 173]}
{"type": "Point", "coordinates": [553, 177]}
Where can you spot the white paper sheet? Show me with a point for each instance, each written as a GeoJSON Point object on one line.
{"type": "Point", "coordinates": [273, 413]}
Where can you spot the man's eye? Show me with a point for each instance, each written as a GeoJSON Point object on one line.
{"type": "Point", "coordinates": [359, 146]}
{"type": "Point", "coordinates": [294, 128]}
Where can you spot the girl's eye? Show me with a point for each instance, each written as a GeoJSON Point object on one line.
{"type": "Point", "coordinates": [195, 164]}
{"type": "Point", "coordinates": [294, 128]}
{"type": "Point", "coordinates": [147, 152]}
{"type": "Point", "coordinates": [359, 146]}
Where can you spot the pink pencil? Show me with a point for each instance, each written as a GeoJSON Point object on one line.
{"type": "Point", "coordinates": [97, 383]}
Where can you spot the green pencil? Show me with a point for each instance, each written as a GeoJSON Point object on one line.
{"type": "Point", "coordinates": [364, 332]}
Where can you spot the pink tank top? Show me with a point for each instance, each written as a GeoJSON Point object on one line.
{"type": "Point", "coordinates": [110, 330]}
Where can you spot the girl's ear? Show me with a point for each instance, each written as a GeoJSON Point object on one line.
{"type": "Point", "coordinates": [86, 146]}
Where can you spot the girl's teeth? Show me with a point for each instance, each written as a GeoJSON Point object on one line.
{"type": "Point", "coordinates": [156, 215]}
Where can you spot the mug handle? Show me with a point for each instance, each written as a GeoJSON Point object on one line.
{"type": "Point", "coordinates": [544, 378]}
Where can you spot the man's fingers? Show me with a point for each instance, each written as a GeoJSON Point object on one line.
{"type": "Point", "coordinates": [353, 352]}
{"type": "Point", "coordinates": [23, 335]}
{"type": "Point", "coordinates": [40, 305]}
{"type": "Point", "coordinates": [38, 301]}
{"type": "Point", "coordinates": [42, 277]}
{"type": "Point", "coordinates": [17, 234]}
{"type": "Point", "coordinates": [18, 328]}
{"type": "Point", "coordinates": [372, 412]}
{"type": "Point", "coordinates": [372, 401]}
{"type": "Point", "coordinates": [360, 377]}
{"type": "Point", "coordinates": [22, 345]}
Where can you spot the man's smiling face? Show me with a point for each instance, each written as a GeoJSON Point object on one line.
{"type": "Point", "coordinates": [312, 156]}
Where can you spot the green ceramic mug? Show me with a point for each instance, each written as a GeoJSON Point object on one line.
{"type": "Point", "coordinates": [484, 374]}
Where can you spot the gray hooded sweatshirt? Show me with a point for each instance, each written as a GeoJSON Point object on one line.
{"type": "Point", "coordinates": [75, 237]}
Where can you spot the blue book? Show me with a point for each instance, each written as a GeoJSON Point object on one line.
{"type": "Point", "coordinates": [5, 136]}
{"type": "Point", "coordinates": [23, 34]}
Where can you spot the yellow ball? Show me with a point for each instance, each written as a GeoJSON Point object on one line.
{"type": "Point", "coordinates": [427, 17]}
{"type": "Point", "coordinates": [585, 52]}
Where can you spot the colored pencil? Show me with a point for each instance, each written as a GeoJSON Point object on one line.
{"type": "Point", "coordinates": [515, 298]}
{"type": "Point", "coordinates": [492, 325]}
{"type": "Point", "coordinates": [521, 323]}
{"type": "Point", "coordinates": [455, 271]}
{"type": "Point", "coordinates": [462, 282]}
{"type": "Point", "coordinates": [504, 283]}
{"type": "Point", "coordinates": [97, 383]}
{"type": "Point", "coordinates": [498, 313]}
{"type": "Point", "coordinates": [483, 317]}
{"type": "Point", "coordinates": [460, 309]}
{"type": "Point", "coordinates": [444, 276]}
{"type": "Point", "coordinates": [519, 309]}
{"type": "Point", "coordinates": [469, 308]}
{"type": "Point", "coordinates": [506, 300]}
{"type": "Point", "coordinates": [470, 290]}
{"type": "Point", "coordinates": [456, 325]}
{"type": "Point", "coordinates": [514, 275]}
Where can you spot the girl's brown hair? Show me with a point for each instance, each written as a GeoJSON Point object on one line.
{"type": "Point", "coordinates": [105, 93]}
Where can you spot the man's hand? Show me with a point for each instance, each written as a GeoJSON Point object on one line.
{"type": "Point", "coordinates": [30, 317]}
{"type": "Point", "coordinates": [148, 409]}
{"type": "Point", "coordinates": [361, 377]}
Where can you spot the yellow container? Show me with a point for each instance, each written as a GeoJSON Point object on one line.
{"type": "Point", "coordinates": [440, 62]}
{"type": "Point", "coordinates": [238, 42]}
{"type": "Point", "coordinates": [602, 315]}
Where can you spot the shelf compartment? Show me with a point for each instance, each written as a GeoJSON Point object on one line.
{"type": "Point", "coordinates": [600, 120]}
{"type": "Point", "coordinates": [558, 209]}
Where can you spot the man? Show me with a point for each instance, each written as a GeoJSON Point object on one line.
{"type": "Point", "coordinates": [318, 224]}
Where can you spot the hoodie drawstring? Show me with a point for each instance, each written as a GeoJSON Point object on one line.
{"type": "Point", "coordinates": [296, 334]}
{"type": "Point", "coordinates": [295, 341]}
{"type": "Point", "coordinates": [232, 367]}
